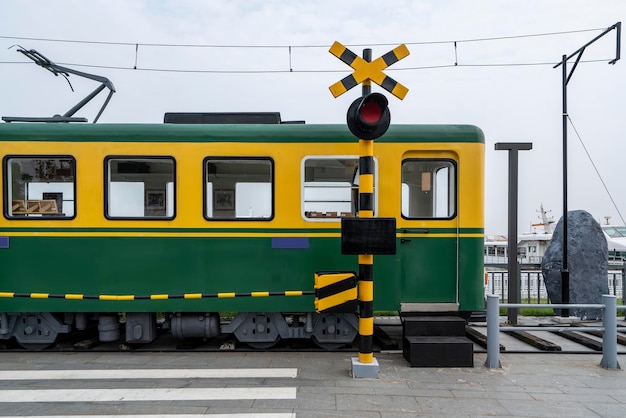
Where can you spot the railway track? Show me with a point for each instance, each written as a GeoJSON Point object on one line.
{"type": "Point", "coordinates": [542, 341]}
{"type": "Point", "coordinates": [387, 338]}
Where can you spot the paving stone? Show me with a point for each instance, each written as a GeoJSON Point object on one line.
{"type": "Point", "coordinates": [527, 385]}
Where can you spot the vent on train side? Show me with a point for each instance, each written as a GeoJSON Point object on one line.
{"type": "Point", "coordinates": [229, 118]}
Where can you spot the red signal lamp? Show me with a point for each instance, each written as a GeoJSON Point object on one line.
{"type": "Point", "coordinates": [368, 116]}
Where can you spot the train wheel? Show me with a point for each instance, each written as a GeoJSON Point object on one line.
{"type": "Point", "coordinates": [328, 346]}
{"type": "Point", "coordinates": [38, 330]}
{"type": "Point", "coordinates": [257, 329]}
{"type": "Point", "coordinates": [262, 345]}
{"type": "Point", "coordinates": [35, 346]}
{"type": "Point", "coordinates": [334, 330]}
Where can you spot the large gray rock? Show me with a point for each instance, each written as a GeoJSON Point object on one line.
{"type": "Point", "coordinates": [587, 261]}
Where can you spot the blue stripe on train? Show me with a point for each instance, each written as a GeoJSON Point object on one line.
{"type": "Point", "coordinates": [290, 242]}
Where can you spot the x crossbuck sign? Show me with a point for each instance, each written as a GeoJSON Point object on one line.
{"type": "Point", "coordinates": [373, 71]}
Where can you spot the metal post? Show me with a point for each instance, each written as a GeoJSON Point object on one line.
{"type": "Point", "coordinates": [366, 261]}
{"type": "Point", "coordinates": [623, 283]}
{"type": "Point", "coordinates": [615, 284]}
{"type": "Point", "coordinates": [366, 87]}
{"type": "Point", "coordinates": [566, 78]}
{"type": "Point", "coordinates": [564, 267]}
{"type": "Point", "coordinates": [493, 332]}
{"type": "Point", "coordinates": [609, 337]}
{"type": "Point", "coordinates": [514, 282]}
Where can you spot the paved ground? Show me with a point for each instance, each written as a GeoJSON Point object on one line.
{"type": "Point", "coordinates": [306, 385]}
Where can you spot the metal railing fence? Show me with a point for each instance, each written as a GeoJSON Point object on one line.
{"type": "Point", "coordinates": [533, 288]}
{"type": "Point", "coordinates": [609, 327]}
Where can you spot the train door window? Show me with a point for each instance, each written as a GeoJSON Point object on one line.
{"type": "Point", "coordinates": [330, 187]}
{"type": "Point", "coordinates": [240, 188]}
{"type": "Point", "coordinates": [428, 189]}
{"type": "Point", "coordinates": [139, 187]}
{"type": "Point", "coordinates": [39, 187]}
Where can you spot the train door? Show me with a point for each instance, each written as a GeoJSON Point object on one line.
{"type": "Point", "coordinates": [429, 231]}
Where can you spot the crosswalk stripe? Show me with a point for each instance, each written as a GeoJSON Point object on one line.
{"type": "Point", "coordinates": [150, 394]}
{"type": "Point", "coordinates": [255, 415]}
{"type": "Point", "coordinates": [148, 374]}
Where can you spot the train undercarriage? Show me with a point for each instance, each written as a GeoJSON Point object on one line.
{"type": "Point", "coordinates": [261, 330]}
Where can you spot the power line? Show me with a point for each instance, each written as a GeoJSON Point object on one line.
{"type": "Point", "coordinates": [291, 70]}
{"type": "Point", "coordinates": [596, 169]}
{"type": "Point", "coordinates": [150, 44]}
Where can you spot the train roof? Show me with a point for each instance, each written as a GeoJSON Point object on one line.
{"type": "Point", "coordinates": [282, 133]}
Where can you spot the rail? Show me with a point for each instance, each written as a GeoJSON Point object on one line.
{"type": "Point", "coordinates": [609, 327]}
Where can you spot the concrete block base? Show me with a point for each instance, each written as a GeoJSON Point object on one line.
{"type": "Point", "coordinates": [566, 320]}
{"type": "Point", "coordinates": [364, 370]}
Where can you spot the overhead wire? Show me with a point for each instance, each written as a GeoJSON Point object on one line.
{"type": "Point", "coordinates": [291, 70]}
{"type": "Point", "coordinates": [596, 169]}
{"type": "Point", "coordinates": [290, 48]}
{"type": "Point", "coordinates": [495, 38]}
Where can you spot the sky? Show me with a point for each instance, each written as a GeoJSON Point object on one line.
{"type": "Point", "coordinates": [272, 55]}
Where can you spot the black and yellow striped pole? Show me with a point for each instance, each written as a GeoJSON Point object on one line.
{"type": "Point", "coordinates": [366, 261]}
{"type": "Point", "coordinates": [368, 118]}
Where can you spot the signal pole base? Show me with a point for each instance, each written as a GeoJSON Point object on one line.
{"type": "Point", "coordinates": [364, 370]}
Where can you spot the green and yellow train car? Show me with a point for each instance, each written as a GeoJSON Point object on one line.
{"type": "Point", "coordinates": [187, 220]}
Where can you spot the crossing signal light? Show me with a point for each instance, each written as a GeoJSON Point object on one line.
{"type": "Point", "coordinates": [368, 116]}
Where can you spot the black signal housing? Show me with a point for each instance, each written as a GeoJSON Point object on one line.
{"type": "Point", "coordinates": [368, 116]}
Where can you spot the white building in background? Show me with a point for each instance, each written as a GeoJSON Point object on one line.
{"type": "Point", "coordinates": [530, 248]}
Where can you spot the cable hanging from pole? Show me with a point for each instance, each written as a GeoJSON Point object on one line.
{"type": "Point", "coordinates": [596, 169]}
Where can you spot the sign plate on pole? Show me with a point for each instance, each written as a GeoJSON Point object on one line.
{"type": "Point", "coordinates": [373, 71]}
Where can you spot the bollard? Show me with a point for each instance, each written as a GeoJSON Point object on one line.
{"type": "Point", "coordinates": [493, 332]}
{"type": "Point", "coordinates": [609, 337]}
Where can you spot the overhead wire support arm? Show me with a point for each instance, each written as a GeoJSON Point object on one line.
{"type": "Point", "coordinates": [56, 69]}
{"type": "Point", "coordinates": [566, 77]}
{"type": "Point", "coordinates": [617, 27]}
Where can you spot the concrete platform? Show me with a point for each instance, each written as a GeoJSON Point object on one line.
{"type": "Point", "coordinates": [313, 385]}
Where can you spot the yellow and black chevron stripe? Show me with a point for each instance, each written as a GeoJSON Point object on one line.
{"type": "Point", "coordinates": [335, 292]}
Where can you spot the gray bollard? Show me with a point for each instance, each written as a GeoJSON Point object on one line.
{"type": "Point", "coordinates": [493, 332]}
{"type": "Point", "coordinates": [609, 337]}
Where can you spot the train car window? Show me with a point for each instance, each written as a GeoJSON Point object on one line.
{"type": "Point", "coordinates": [139, 187]}
{"type": "Point", "coordinates": [39, 187]}
{"type": "Point", "coordinates": [330, 187]}
{"type": "Point", "coordinates": [428, 189]}
{"type": "Point", "coordinates": [239, 188]}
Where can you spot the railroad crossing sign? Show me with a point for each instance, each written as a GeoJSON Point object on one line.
{"type": "Point", "coordinates": [373, 71]}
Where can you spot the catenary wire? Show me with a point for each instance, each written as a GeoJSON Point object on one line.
{"type": "Point", "coordinates": [290, 70]}
{"type": "Point", "coordinates": [596, 169]}
{"type": "Point", "coordinates": [496, 38]}
{"type": "Point", "coordinates": [136, 67]}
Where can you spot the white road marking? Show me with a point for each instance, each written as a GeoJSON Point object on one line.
{"type": "Point", "coordinates": [255, 415]}
{"type": "Point", "coordinates": [148, 374]}
{"type": "Point", "coordinates": [151, 394]}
